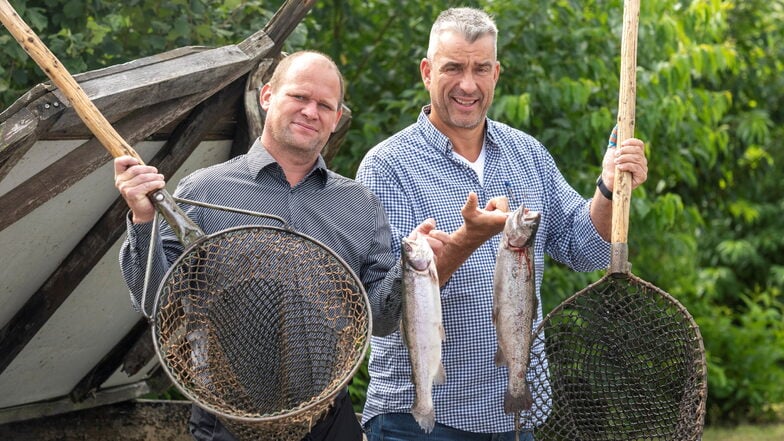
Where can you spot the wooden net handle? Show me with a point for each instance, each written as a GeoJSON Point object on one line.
{"type": "Point", "coordinates": [185, 229]}
{"type": "Point", "coordinates": [54, 69]}
{"type": "Point", "coordinates": [622, 185]}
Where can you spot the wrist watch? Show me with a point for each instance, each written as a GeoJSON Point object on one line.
{"type": "Point", "coordinates": [603, 188]}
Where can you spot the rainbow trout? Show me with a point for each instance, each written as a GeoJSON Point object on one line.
{"type": "Point", "coordinates": [421, 326]}
{"type": "Point", "coordinates": [515, 305]}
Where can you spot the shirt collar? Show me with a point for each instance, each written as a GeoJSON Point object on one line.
{"type": "Point", "coordinates": [440, 142]}
{"type": "Point", "coordinates": [259, 159]}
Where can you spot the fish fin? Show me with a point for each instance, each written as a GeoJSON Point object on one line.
{"type": "Point", "coordinates": [500, 359]}
{"type": "Point", "coordinates": [440, 377]}
{"type": "Point", "coordinates": [536, 306]}
{"type": "Point", "coordinates": [425, 417]}
{"type": "Point", "coordinates": [528, 399]}
{"type": "Point", "coordinates": [514, 404]}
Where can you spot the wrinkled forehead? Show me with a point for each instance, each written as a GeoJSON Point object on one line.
{"type": "Point", "coordinates": [313, 71]}
{"type": "Point", "coordinates": [453, 47]}
{"type": "Point", "coordinates": [452, 34]}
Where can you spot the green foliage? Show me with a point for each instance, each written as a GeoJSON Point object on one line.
{"type": "Point", "coordinates": [706, 226]}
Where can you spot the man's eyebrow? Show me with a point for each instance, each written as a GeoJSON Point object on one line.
{"type": "Point", "coordinates": [452, 64]}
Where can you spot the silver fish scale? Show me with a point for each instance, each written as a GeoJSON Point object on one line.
{"type": "Point", "coordinates": [421, 326]}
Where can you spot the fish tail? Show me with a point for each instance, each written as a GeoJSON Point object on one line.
{"type": "Point", "coordinates": [440, 377]}
{"type": "Point", "coordinates": [528, 399]}
{"type": "Point", "coordinates": [425, 416]}
{"type": "Point", "coordinates": [513, 404]}
{"type": "Point", "coordinates": [499, 359]}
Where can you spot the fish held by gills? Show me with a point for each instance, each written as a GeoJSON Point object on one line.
{"type": "Point", "coordinates": [515, 304]}
{"type": "Point", "coordinates": [421, 325]}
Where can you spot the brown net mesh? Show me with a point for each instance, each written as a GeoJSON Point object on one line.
{"type": "Point", "coordinates": [623, 361]}
{"type": "Point", "coordinates": [263, 327]}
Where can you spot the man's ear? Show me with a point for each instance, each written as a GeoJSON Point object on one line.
{"type": "Point", "coordinates": [337, 120]}
{"type": "Point", "coordinates": [425, 70]}
{"type": "Point", "coordinates": [265, 95]}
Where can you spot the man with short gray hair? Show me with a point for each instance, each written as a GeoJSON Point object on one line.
{"type": "Point", "coordinates": [443, 168]}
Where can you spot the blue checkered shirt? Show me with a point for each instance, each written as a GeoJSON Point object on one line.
{"type": "Point", "coordinates": [416, 176]}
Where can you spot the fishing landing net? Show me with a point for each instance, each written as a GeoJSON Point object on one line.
{"type": "Point", "coordinates": [623, 361]}
{"type": "Point", "coordinates": [262, 327]}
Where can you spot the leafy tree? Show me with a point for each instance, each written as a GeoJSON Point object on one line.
{"type": "Point", "coordinates": [707, 225]}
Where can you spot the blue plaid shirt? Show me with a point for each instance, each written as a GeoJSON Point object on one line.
{"type": "Point", "coordinates": [416, 176]}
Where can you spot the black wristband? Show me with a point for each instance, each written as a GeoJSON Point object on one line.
{"type": "Point", "coordinates": [603, 188]}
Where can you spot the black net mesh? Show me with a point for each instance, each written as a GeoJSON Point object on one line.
{"type": "Point", "coordinates": [623, 361]}
{"type": "Point", "coordinates": [263, 327]}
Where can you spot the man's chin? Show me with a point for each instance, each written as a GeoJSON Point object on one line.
{"type": "Point", "coordinates": [465, 123]}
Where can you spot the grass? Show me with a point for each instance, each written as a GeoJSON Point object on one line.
{"type": "Point", "coordinates": [774, 432]}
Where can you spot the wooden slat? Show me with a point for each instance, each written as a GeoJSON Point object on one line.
{"type": "Point", "coordinates": [140, 353]}
{"type": "Point", "coordinates": [27, 125]}
{"type": "Point", "coordinates": [253, 112]}
{"type": "Point", "coordinates": [280, 26]}
{"type": "Point", "coordinates": [195, 74]}
{"type": "Point", "coordinates": [88, 157]}
{"type": "Point", "coordinates": [90, 383]}
{"type": "Point", "coordinates": [33, 315]}
{"type": "Point", "coordinates": [156, 383]}
{"type": "Point", "coordinates": [34, 128]}
{"type": "Point", "coordinates": [31, 95]}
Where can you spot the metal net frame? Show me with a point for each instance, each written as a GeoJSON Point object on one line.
{"type": "Point", "coordinates": [263, 327]}
{"type": "Point", "coordinates": [622, 361]}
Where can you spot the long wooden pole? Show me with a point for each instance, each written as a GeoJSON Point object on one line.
{"type": "Point", "coordinates": [54, 69]}
{"type": "Point", "coordinates": [184, 228]}
{"type": "Point", "coordinates": [622, 185]}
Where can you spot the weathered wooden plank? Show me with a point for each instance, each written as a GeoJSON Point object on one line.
{"type": "Point", "coordinates": [118, 90]}
{"type": "Point", "coordinates": [139, 63]}
{"type": "Point", "coordinates": [253, 112]}
{"type": "Point", "coordinates": [29, 96]}
{"type": "Point", "coordinates": [23, 326]}
{"type": "Point", "coordinates": [118, 95]}
{"type": "Point", "coordinates": [280, 26]}
{"type": "Point", "coordinates": [156, 383]}
{"type": "Point", "coordinates": [140, 353]}
{"type": "Point", "coordinates": [28, 124]}
{"type": "Point", "coordinates": [338, 136]}
{"type": "Point", "coordinates": [88, 157]}
{"type": "Point", "coordinates": [109, 364]}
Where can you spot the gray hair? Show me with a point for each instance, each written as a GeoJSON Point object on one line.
{"type": "Point", "coordinates": [469, 22]}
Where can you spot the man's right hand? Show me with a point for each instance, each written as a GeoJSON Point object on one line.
{"type": "Point", "coordinates": [135, 182]}
{"type": "Point", "coordinates": [479, 225]}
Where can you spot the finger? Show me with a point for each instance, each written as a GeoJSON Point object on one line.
{"type": "Point", "coordinates": [439, 236]}
{"type": "Point", "coordinates": [122, 163]}
{"type": "Point", "coordinates": [426, 226]}
{"type": "Point", "coordinates": [438, 240]}
{"type": "Point", "coordinates": [498, 203]}
{"type": "Point", "coordinates": [613, 141]}
{"type": "Point", "coordinates": [140, 186]}
{"type": "Point", "coordinates": [471, 205]}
